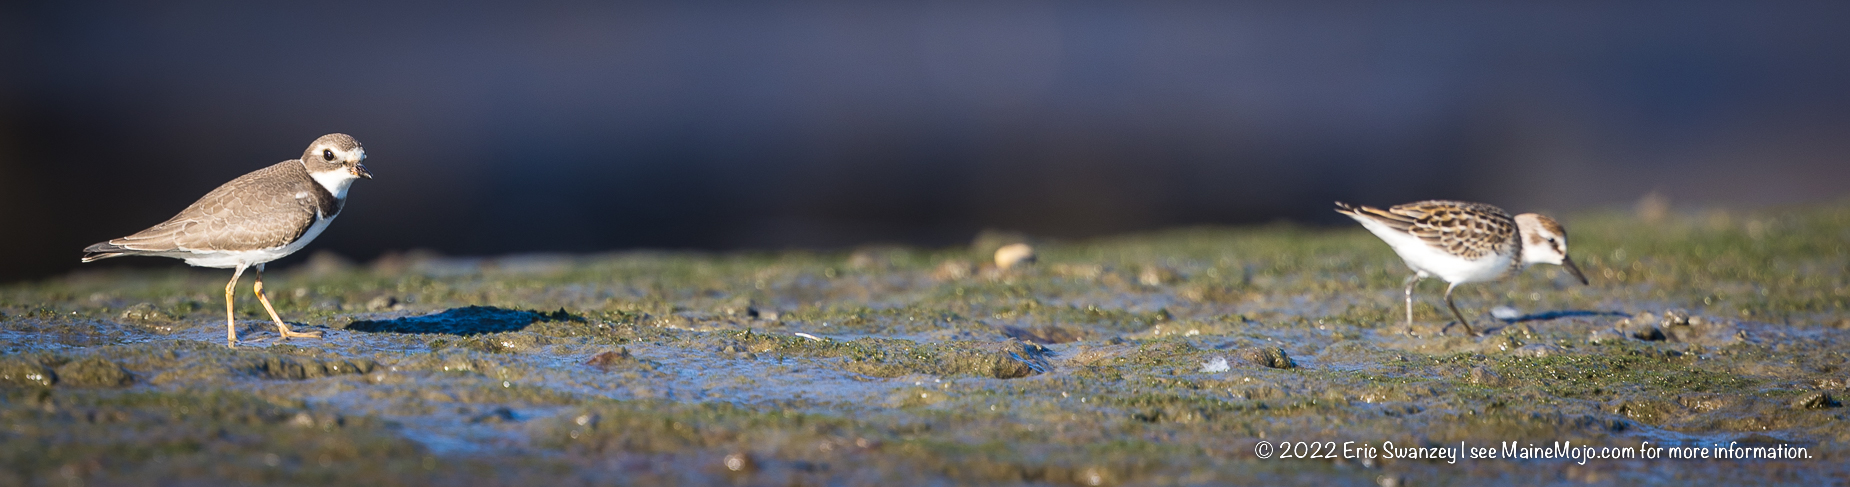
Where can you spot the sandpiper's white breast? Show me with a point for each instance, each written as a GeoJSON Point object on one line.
{"type": "Point", "coordinates": [1430, 261]}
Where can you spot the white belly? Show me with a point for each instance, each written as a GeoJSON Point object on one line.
{"type": "Point", "coordinates": [1429, 261]}
{"type": "Point", "coordinates": [247, 258]}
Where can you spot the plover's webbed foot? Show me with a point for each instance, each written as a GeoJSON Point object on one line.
{"type": "Point", "coordinates": [281, 328]}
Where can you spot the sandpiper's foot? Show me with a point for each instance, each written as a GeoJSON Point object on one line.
{"type": "Point", "coordinates": [1468, 330]}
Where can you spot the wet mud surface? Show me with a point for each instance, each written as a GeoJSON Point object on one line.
{"type": "Point", "coordinates": [1157, 359]}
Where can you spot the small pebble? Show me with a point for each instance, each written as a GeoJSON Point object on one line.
{"type": "Point", "coordinates": [953, 270]}
{"type": "Point", "coordinates": [1483, 376]}
{"type": "Point", "coordinates": [1272, 357]}
{"type": "Point", "coordinates": [1505, 313]}
{"type": "Point", "coordinates": [1537, 350]}
{"type": "Point", "coordinates": [1012, 255]}
{"type": "Point", "coordinates": [739, 462]}
{"type": "Point", "coordinates": [1816, 400]}
{"type": "Point", "coordinates": [1218, 365]}
{"type": "Point", "coordinates": [1156, 276]}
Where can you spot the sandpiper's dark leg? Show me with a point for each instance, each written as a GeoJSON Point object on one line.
{"type": "Point", "coordinates": [281, 328]}
{"type": "Point", "coordinates": [231, 322]}
{"type": "Point", "coordinates": [1461, 316]}
{"type": "Point", "coordinates": [1411, 280]}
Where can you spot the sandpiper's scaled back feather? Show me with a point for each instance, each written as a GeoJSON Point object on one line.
{"type": "Point", "coordinates": [1462, 242]}
{"type": "Point", "coordinates": [1465, 229]}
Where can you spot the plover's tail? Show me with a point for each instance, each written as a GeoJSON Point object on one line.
{"type": "Point", "coordinates": [105, 250]}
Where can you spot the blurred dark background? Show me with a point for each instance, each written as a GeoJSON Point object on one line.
{"type": "Point", "coordinates": [497, 128]}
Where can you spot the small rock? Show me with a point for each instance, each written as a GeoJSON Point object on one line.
{"type": "Point", "coordinates": [740, 462]}
{"type": "Point", "coordinates": [1841, 323]}
{"type": "Point", "coordinates": [1273, 357]}
{"type": "Point", "coordinates": [1483, 376]}
{"type": "Point", "coordinates": [498, 415]}
{"type": "Point", "coordinates": [606, 359]}
{"type": "Point", "coordinates": [1218, 365]}
{"type": "Point", "coordinates": [1505, 313]}
{"type": "Point", "coordinates": [1648, 333]}
{"type": "Point", "coordinates": [877, 257]}
{"type": "Point", "coordinates": [381, 303]}
{"type": "Point", "coordinates": [953, 269]}
{"type": "Point", "coordinates": [1537, 350]}
{"type": "Point", "coordinates": [763, 314]}
{"type": "Point", "coordinates": [144, 313]}
{"type": "Point", "coordinates": [1682, 328]}
{"type": "Point", "coordinates": [1156, 276]}
{"type": "Point", "coordinates": [94, 372]}
{"type": "Point", "coordinates": [1644, 326]}
{"type": "Point", "coordinates": [1012, 255]}
{"type": "Point", "coordinates": [1607, 335]}
{"type": "Point", "coordinates": [24, 373]}
{"type": "Point", "coordinates": [1816, 400]}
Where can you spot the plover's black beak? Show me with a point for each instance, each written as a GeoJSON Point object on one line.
{"type": "Point", "coordinates": [360, 170]}
{"type": "Point", "coordinates": [1574, 269]}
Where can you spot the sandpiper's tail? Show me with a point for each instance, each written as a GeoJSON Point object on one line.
{"type": "Point", "coordinates": [1365, 214]}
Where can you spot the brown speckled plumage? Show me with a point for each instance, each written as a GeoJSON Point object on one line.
{"type": "Point", "coordinates": [1462, 228]}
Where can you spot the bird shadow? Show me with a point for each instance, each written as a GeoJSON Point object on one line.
{"type": "Point", "coordinates": [1500, 323]}
{"type": "Point", "coordinates": [1555, 315]}
{"type": "Point", "coordinates": [464, 321]}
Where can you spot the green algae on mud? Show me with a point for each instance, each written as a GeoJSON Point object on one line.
{"type": "Point", "coordinates": [1140, 360]}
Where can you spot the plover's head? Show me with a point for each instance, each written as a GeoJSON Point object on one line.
{"type": "Point", "coordinates": [1545, 242]}
{"type": "Point", "coordinates": [334, 160]}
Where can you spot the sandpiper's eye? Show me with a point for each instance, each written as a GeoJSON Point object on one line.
{"type": "Point", "coordinates": [327, 154]}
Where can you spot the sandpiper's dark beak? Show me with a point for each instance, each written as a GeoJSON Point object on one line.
{"type": "Point", "coordinates": [1574, 269]}
{"type": "Point", "coordinates": [360, 170]}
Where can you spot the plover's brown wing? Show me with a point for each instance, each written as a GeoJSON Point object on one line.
{"type": "Point", "coordinates": [267, 208]}
{"type": "Point", "coordinates": [1465, 229]}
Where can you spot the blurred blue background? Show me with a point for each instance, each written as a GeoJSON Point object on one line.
{"type": "Point", "coordinates": [497, 128]}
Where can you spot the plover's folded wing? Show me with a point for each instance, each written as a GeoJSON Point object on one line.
{"type": "Point", "coordinates": [267, 208]}
{"type": "Point", "coordinates": [1468, 230]}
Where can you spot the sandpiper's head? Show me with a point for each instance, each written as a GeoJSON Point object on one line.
{"type": "Point", "coordinates": [1545, 242]}
{"type": "Point", "coordinates": [335, 157]}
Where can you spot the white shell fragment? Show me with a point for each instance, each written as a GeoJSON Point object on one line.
{"type": "Point", "coordinates": [1014, 254]}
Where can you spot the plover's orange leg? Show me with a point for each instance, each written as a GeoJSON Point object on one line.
{"type": "Point", "coordinates": [280, 326]}
{"type": "Point", "coordinates": [231, 322]}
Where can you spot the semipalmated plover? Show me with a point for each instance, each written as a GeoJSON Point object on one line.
{"type": "Point", "coordinates": [1464, 242]}
{"type": "Point", "coordinates": [254, 219]}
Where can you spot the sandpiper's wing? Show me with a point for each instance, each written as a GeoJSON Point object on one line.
{"type": "Point", "coordinates": [267, 208]}
{"type": "Point", "coordinates": [1468, 230]}
{"type": "Point", "coordinates": [1465, 229]}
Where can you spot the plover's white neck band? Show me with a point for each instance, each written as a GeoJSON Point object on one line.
{"type": "Point", "coordinates": [335, 181]}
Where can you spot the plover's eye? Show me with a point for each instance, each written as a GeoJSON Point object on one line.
{"type": "Point", "coordinates": [327, 154]}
